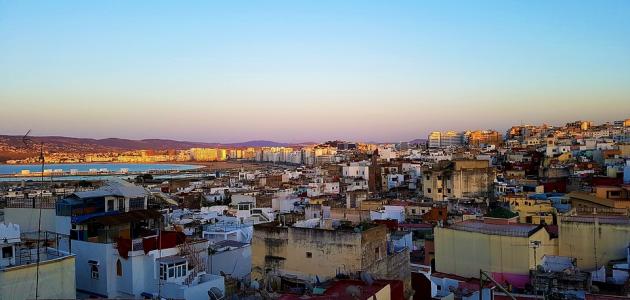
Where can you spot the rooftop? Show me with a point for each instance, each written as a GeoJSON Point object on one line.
{"type": "Point", "coordinates": [602, 219]}
{"type": "Point", "coordinates": [171, 259]}
{"type": "Point", "coordinates": [513, 229]}
{"type": "Point", "coordinates": [118, 188]}
{"type": "Point", "coordinates": [114, 218]}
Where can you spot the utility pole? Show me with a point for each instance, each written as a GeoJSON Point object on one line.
{"type": "Point", "coordinates": [535, 245]}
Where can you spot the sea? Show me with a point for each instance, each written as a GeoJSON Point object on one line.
{"type": "Point", "coordinates": [110, 167]}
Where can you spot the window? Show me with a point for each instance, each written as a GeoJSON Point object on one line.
{"type": "Point", "coordinates": [413, 211]}
{"type": "Point", "coordinates": [614, 194]}
{"type": "Point", "coordinates": [162, 271]}
{"type": "Point", "coordinates": [121, 204]}
{"type": "Point", "coordinates": [440, 191]}
{"type": "Point", "coordinates": [309, 254]}
{"type": "Point", "coordinates": [110, 205]}
{"type": "Point", "coordinates": [118, 268]}
{"type": "Point", "coordinates": [94, 271]}
{"type": "Point", "coordinates": [7, 252]}
{"type": "Point", "coordinates": [439, 177]}
{"type": "Point", "coordinates": [377, 252]}
{"type": "Point", "coordinates": [428, 177]}
{"type": "Point", "coordinates": [172, 270]}
{"type": "Point", "coordinates": [448, 191]}
{"type": "Point", "coordinates": [138, 203]}
{"type": "Point", "coordinates": [428, 191]}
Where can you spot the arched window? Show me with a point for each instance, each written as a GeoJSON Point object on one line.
{"type": "Point", "coordinates": [118, 268]}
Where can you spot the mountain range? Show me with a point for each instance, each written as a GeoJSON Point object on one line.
{"type": "Point", "coordinates": [14, 147]}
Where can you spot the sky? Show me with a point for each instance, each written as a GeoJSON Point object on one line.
{"type": "Point", "coordinates": [296, 71]}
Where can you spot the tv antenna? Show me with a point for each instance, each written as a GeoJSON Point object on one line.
{"type": "Point", "coordinates": [28, 144]}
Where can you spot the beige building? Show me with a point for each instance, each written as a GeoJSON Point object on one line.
{"type": "Point", "coordinates": [594, 239]}
{"type": "Point", "coordinates": [458, 179]}
{"type": "Point", "coordinates": [303, 255]}
{"type": "Point", "coordinates": [505, 249]}
{"type": "Point", "coordinates": [530, 210]}
{"type": "Point", "coordinates": [603, 197]}
{"type": "Point", "coordinates": [19, 268]}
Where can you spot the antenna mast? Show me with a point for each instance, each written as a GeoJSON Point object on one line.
{"type": "Point", "coordinates": [26, 139]}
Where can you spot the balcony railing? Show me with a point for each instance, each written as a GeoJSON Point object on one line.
{"type": "Point", "coordinates": [38, 202]}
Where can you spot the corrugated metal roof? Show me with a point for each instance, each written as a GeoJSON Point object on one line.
{"type": "Point", "coordinates": [115, 188]}
{"type": "Point", "coordinates": [518, 230]}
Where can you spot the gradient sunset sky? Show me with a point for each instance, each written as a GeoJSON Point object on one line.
{"type": "Point", "coordinates": [296, 71]}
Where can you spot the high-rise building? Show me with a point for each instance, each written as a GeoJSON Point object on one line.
{"type": "Point", "coordinates": [439, 139]}
{"type": "Point", "coordinates": [485, 137]}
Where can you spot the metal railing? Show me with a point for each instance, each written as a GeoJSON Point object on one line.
{"type": "Point", "coordinates": [38, 202]}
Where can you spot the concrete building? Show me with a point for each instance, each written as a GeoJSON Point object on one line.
{"type": "Point", "coordinates": [389, 212]}
{"type": "Point", "coordinates": [356, 170]}
{"type": "Point", "coordinates": [18, 267]}
{"type": "Point", "coordinates": [305, 255]}
{"type": "Point", "coordinates": [485, 137]}
{"type": "Point", "coordinates": [531, 211]}
{"type": "Point", "coordinates": [594, 239]}
{"type": "Point", "coordinates": [208, 154]}
{"type": "Point", "coordinates": [122, 250]}
{"type": "Point", "coordinates": [458, 179]}
{"type": "Point", "coordinates": [445, 139]}
{"type": "Point", "coordinates": [602, 197]}
{"type": "Point", "coordinates": [502, 247]}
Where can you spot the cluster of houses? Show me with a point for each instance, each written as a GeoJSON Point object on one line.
{"type": "Point", "coordinates": [544, 211]}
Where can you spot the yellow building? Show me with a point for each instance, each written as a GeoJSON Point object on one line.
{"type": "Point", "coordinates": [56, 280]}
{"type": "Point", "coordinates": [18, 267]}
{"type": "Point", "coordinates": [603, 197]}
{"type": "Point", "coordinates": [204, 154]}
{"type": "Point", "coordinates": [507, 250]}
{"type": "Point", "coordinates": [530, 210]}
{"type": "Point", "coordinates": [564, 157]}
{"type": "Point", "coordinates": [222, 154]}
{"type": "Point", "coordinates": [594, 239]}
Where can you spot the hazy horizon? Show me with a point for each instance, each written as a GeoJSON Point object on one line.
{"type": "Point", "coordinates": [299, 72]}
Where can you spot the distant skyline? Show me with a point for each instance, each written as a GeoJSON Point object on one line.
{"type": "Point", "coordinates": [297, 71]}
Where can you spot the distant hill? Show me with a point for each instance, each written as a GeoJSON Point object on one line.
{"type": "Point", "coordinates": [127, 144]}
{"type": "Point", "coordinates": [12, 147]}
{"type": "Point", "coordinates": [258, 143]}
{"type": "Point", "coordinates": [418, 141]}
{"type": "Point", "coordinates": [414, 141]}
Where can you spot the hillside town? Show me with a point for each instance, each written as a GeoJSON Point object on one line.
{"type": "Point", "coordinates": [538, 212]}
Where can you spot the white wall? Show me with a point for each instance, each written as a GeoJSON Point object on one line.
{"type": "Point", "coordinates": [104, 254]}
{"type": "Point", "coordinates": [63, 224]}
{"type": "Point", "coordinates": [27, 218]}
{"type": "Point", "coordinates": [237, 262]}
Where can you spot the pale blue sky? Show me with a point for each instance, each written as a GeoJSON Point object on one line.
{"type": "Point", "coordinates": [308, 70]}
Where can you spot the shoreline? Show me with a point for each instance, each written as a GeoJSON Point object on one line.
{"type": "Point", "coordinates": [187, 166]}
